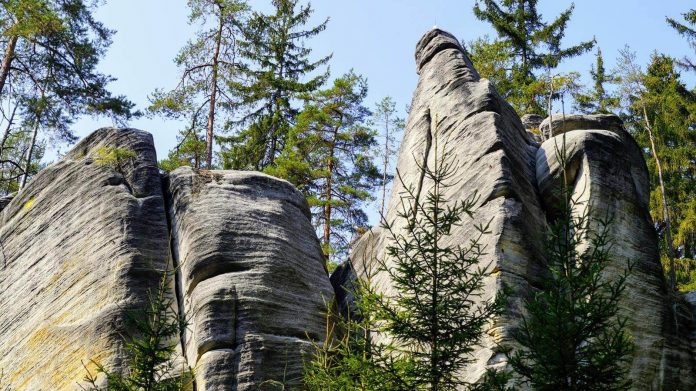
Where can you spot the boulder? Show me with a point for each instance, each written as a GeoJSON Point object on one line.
{"type": "Point", "coordinates": [455, 111]}
{"type": "Point", "coordinates": [252, 277]}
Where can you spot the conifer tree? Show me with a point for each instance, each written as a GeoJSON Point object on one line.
{"type": "Point", "coordinates": [328, 156]}
{"type": "Point", "coordinates": [688, 31]}
{"type": "Point", "coordinates": [350, 358]}
{"type": "Point", "coordinates": [598, 101]}
{"type": "Point", "coordinates": [209, 63]}
{"type": "Point", "coordinates": [420, 334]}
{"type": "Point", "coordinates": [572, 336]}
{"type": "Point", "coordinates": [661, 115]}
{"type": "Point", "coordinates": [436, 314]}
{"type": "Point", "coordinates": [534, 45]}
{"type": "Point", "coordinates": [277, 71]}
{"type": "Point", "coordinates": [48, 74]}
{"type": "Point", "coordinates": [386, 119]}
{"type": "Point", "coordinates": [150, 350]}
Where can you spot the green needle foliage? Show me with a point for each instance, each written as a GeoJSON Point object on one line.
{"type": "Point", "coordinates": [688, 31]}
{"type": "Point", "coordinates": [660, 113]}
{"type": "Point", "coordinates": [329, 156]}
{"type": "Point", "coordinates": [436, 314]}
{"type": "Point", "coordinates": [276, 71]}
{"type": "Point", "coordinates": [598, 100]}
{"type": "Point", "coordinates": [202, 97]}
{"type": "Point", "coordinates": [151, 351]}
{"type": "Point", "coordinates": [420, 335]}
{"type": "Point", "coordinates": [49, 75]}
{"type": "Point", "coordinates": [532, 45]}
{"type": "Point", "coordinates": [572, 337]}
{"type": "Point", "coordinates": [350, 358]}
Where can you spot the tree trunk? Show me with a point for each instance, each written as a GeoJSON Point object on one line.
{"type": "Point", "coordinates": [7, 62]}
{"type": "Point", "coordinates": [327, 208]}
{"type": "Point", "coordinates": [30, 152]}
{"type": "Point", "coordinates": [385, 166]}
{"type": "Point", "coordinates": [8, 129]}
{"type": "Point", "coordinates": [213, 95]}
{"type": "Point", "coordinates": [665, 209]}
{"type": "Point", "coordinates": [329, 188]}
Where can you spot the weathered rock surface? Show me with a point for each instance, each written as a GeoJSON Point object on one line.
{"type": "Point", "coordinates": [532, 124]}
{"type": "Point", "coordinates": [88, 237]}
{"type": "Point", "coordinates": [455, 110]}
{"type": "Point", "coordinates": [80, 244]}
{"type": "Point", "coordinates": [514, 176]}
{"type": "Point", "coordinates": [607, 174]}
{"type": "Point", "coordinates": [253, 279]}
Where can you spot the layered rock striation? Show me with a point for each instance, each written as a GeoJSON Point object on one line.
{"type": "Point", "coordinates": [501, 158]}
{"type": "Point", "coordinates": [252, 280]}
{"type": "Point", "coordinates": [89, 236]}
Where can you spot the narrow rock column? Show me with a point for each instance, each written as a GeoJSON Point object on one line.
{"type": "Point", "coordinates": [252, 275]}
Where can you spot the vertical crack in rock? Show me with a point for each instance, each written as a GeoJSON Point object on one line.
{"type": "Point", "coordinates": [424, 160]}
{"type": "Point", "coordinates": [174, 258]}
{"type": "Point", "coordinates": [80, 256]}
{"type": "Point", "coordinates": [502, 161]}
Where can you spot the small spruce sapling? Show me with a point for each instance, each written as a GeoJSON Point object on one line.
{"type": "Point", "coordinates": [436, 314]}
{"type": "Point", "coordinates": [573, 336]}
{"type": "Point", "coordinates": [151, 350]}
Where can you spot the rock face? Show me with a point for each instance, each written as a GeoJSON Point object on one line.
{"type": "Point", "coordinates": [514, 177]}
{"type": "Point", "coordinates": [252, 276]}
{"type": "Point", "coordinates": [456, 110]}
{"type": "Point", "coordinates": [88, 237]}
{"type": "Point", "coordinates": [80, 246]}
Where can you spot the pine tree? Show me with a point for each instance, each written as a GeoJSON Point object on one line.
{"type": "Point", "coordinates": [209, 64]}
{"type": "Point", "coordinates": [521, 29]}
{"type": "Point", "coordinates": [688, 31]}
{"type": "Point", "coordinates": [598, 101]}
{"type": "Point", "coordinates": [661, 115]}
{"type": "Point", "coordinates": [328, 156]}
{"type": "Point", "coordinates": [386, 119]}
{"type": "Point", "coordinates": [436, 314]}
{"type": "Point", "coordinates": [572, 336]}
{"type": "Point", "coordinates": [49, 71]}
{"type": "Point", "coordinates": [277, 62]}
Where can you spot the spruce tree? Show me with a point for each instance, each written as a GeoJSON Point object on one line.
{"type": "Point", "coordinates": [277, 71]}
{"type": "Point", "coordinates": [202, 96]}
{"type": "Point", "coordinates": [572, 336]}
{"type": "Point", "coordinates": [350, 357]}
{"type": "Point", "coordinates": [688, 31]}
{"type": "Point", "coordinates": [598, 100]}
{"type": "Point", "coordinates": [328, 156]}
{"type": "Point", "coordinates": [435, 315]}
{"type": "Point", "coordinates": [534, 45]}
{"type": "Point", "coordinates": [151, 348]}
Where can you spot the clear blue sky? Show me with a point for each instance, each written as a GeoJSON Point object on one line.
{"type": "Point", "coordinates": [374, 37]}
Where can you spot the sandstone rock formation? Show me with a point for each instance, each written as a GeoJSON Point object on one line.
{"type": "Point", "coordinates": [252, 276]}
{"type": "Point", "coordinates": [461, 113]}
{"type": "Point", "coordinates": [85, 240]}
{"type": "Point", "coordinates": [80, 244]}
{"type": "Point", "coordinates": [514, 177]}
